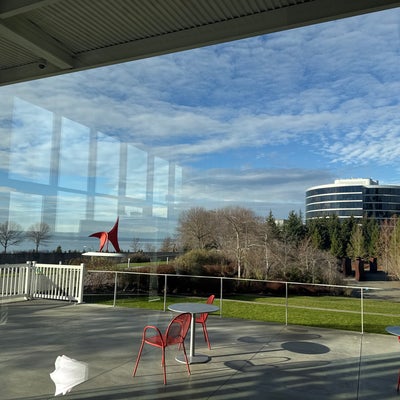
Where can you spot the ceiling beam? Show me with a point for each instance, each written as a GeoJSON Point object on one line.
{"type": "Point", "coordinates": [26, 73]}
{"type": "Point", "coordinates": [15, 27]}
{"type": "Point", "coordinates": [238, 28]}
{"type": "Point", "coordinates": [11, 8]}
{"type": "Point", "coordinates": [29, 36]}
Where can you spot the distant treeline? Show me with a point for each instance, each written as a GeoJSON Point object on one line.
{"type": "Point", "coordinates": [75, 257]}
{"type": "Point", "coordinates": [40, 257]}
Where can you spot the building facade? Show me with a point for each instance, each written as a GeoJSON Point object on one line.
{"type": "Point", "coordinates": [353, 198]}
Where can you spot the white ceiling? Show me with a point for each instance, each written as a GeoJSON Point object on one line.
{"type": "Point", "coordinates": [41, 38]}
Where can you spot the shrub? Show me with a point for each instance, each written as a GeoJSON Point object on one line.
{"type": "Point", "coordinates": [194, 261]}
{"type": "Point", "coordinates": [166, 269]}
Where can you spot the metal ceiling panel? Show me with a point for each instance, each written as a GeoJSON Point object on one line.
{"type": "Point", "coordinates": [72, 35]}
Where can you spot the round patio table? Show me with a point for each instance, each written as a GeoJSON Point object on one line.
{"type": "Point", "coordinates": [193, 309]}
{"type": "Point", "coordinates": [393, 330]}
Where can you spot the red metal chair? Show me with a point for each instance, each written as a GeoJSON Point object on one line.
{"type": "Point", "coordinates": [202, 319]}
{"type": "Point", "coordinates": [174, 334]}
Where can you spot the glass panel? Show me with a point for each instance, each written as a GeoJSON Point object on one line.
{"type": "Point", "coordinates": [136, 175]}
{"type": "Point", "coordinates": [161, 184]}
{"type": "Point", "coordinates": [107, 165]}
{"type": "Point", "coordinates": [74, 155]}
{"type": "Point", "coordinates": [104, 209]}
{"type": "Point", "coordinates": [250, 123]}
{"type": "Point", "coordinates": [71, 211]}
{"type": "Point", "coordinates": [25, 209]}
{"type": "Point", "coordinates": [31, 142]}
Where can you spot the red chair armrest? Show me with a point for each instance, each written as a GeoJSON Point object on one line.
{"type": "Point", "coordinates": [152, 328]}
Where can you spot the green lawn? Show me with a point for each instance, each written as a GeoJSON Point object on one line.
{"type": "Point", "coordinates": [321, 311]}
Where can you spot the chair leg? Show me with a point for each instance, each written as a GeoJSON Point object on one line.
{"type": "Point", "coordinates": [138, 358]}
{"type": "Point", "coordinates": [206, 336]}
{"type": "Point", "coordinates": [186, 358]}
{"type": "Point", "coordinates": [163, 365]}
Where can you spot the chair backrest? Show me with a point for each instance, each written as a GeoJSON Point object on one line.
{"type": "Point", "coordinates": [210, 300]}
{"type": "Point", "coordinates": [178, 329]}
{"type": "Point", "coordinates": [203, 317]}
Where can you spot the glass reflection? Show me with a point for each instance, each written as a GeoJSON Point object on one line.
{"type": "Point", "coordinates": [136, 173]}
{"type": "Point", "coordinates": [79, 180]}
{"type": "Point", "coordinates": [25, 209]}
{"type": "Point", "coordinates": [74, 155]}
{"type": "Point", "coordinates": [31, 134]}
{"type": "Point", "coordinates": [107, 165]}
{"type": "Point", "coordinates": [160, 192]}
{"type": "Point", "coordinates": [71, 210]}
{"type": "Point", "coordinates": [79, 150]}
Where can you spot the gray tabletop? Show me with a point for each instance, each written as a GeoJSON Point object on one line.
{"type": "Point", "coordinates": [193, 308]}
{"type": "Point", "coordinates": [394, 330]}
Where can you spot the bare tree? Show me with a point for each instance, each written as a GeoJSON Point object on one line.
{"type": "Point", "coordinates": [197, 228]}
{"type": "Point", "coordinates": [269, 234]}
{"type": "Point", "coordinates": [150, 248]}
{"type": "Point", "coordinates": [356, 247]}
{"type": "Point", "coordinates": [394, 249]}
{"type": "Point", "coordinates": [243, 231]}
{"type": "Point", "coordinates": [136, 245]}
{"type": "Point", "coordinates": [168, 244]}
{"type": "Point", "coordinates": [307, 256]}
{"type": "Point", "coordinates": [11, 234]}
{"type": "Point", "coordinates": [385, 238]}
{"type": "Point", "coordinates": [38, 233]}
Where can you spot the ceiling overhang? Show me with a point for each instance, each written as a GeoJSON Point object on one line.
{"type": "Point", "coordinates": [40, 38]}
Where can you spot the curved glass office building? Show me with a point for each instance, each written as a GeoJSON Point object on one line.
{"type": "Point", "coordinates": [353, 197]}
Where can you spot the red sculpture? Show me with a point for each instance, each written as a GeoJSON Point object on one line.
{"type": "Point", "coordinates": [111, 236]}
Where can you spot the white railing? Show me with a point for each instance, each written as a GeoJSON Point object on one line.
{"type": "Point", "coordinates": [57, 282]}
{"type": "Point", "coordinates": [15, 281]}
{"type": "Point", "coordinates": [46, 281]}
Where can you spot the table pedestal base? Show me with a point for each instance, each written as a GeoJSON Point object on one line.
{"type": "Point", "coordinates": [196, 359]}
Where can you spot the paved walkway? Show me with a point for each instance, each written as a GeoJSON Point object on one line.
{"type": "Point", "coordinates": [390, 290]}
{"type": "Point", "coordinates": [250, 360]}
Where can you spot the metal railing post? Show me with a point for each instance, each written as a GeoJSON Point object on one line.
{"type": "Point", "coordinates": [220, 296]}
{"type": "Point", "coordinates": [362, 310]}
{"type": "Point", "coordinates": [115, 288]}
{"type": "Point", "coordinates": [287, 303]}
{"type": "Point", "coordinates": [165, 291]}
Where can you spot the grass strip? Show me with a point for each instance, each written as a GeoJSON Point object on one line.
{"type": "Point", "coordinates": [331, 312]}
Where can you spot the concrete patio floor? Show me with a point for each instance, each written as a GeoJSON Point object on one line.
{"type": "Point", "coordinates": [250, 360]}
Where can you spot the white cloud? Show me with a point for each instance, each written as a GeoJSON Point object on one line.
{"type": "Point", "coordinates": [260, 189]}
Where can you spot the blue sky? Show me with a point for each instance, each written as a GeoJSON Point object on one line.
{"type": "Point", "coordinates": [253, 122]}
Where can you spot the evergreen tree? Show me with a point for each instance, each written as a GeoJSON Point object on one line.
{"type": "Point", "coordinates": [319, 231]}
{"type": "Point", "coordinates": [272, 227]}
{"type": "Point", "coordinates": [337, 245]}
{"type": "Point", "coordinates": [293, 228]}
{"type": "Point", "coordinates": [371, 236]}
{"type": "Point", "coordinates": [346, 231]}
